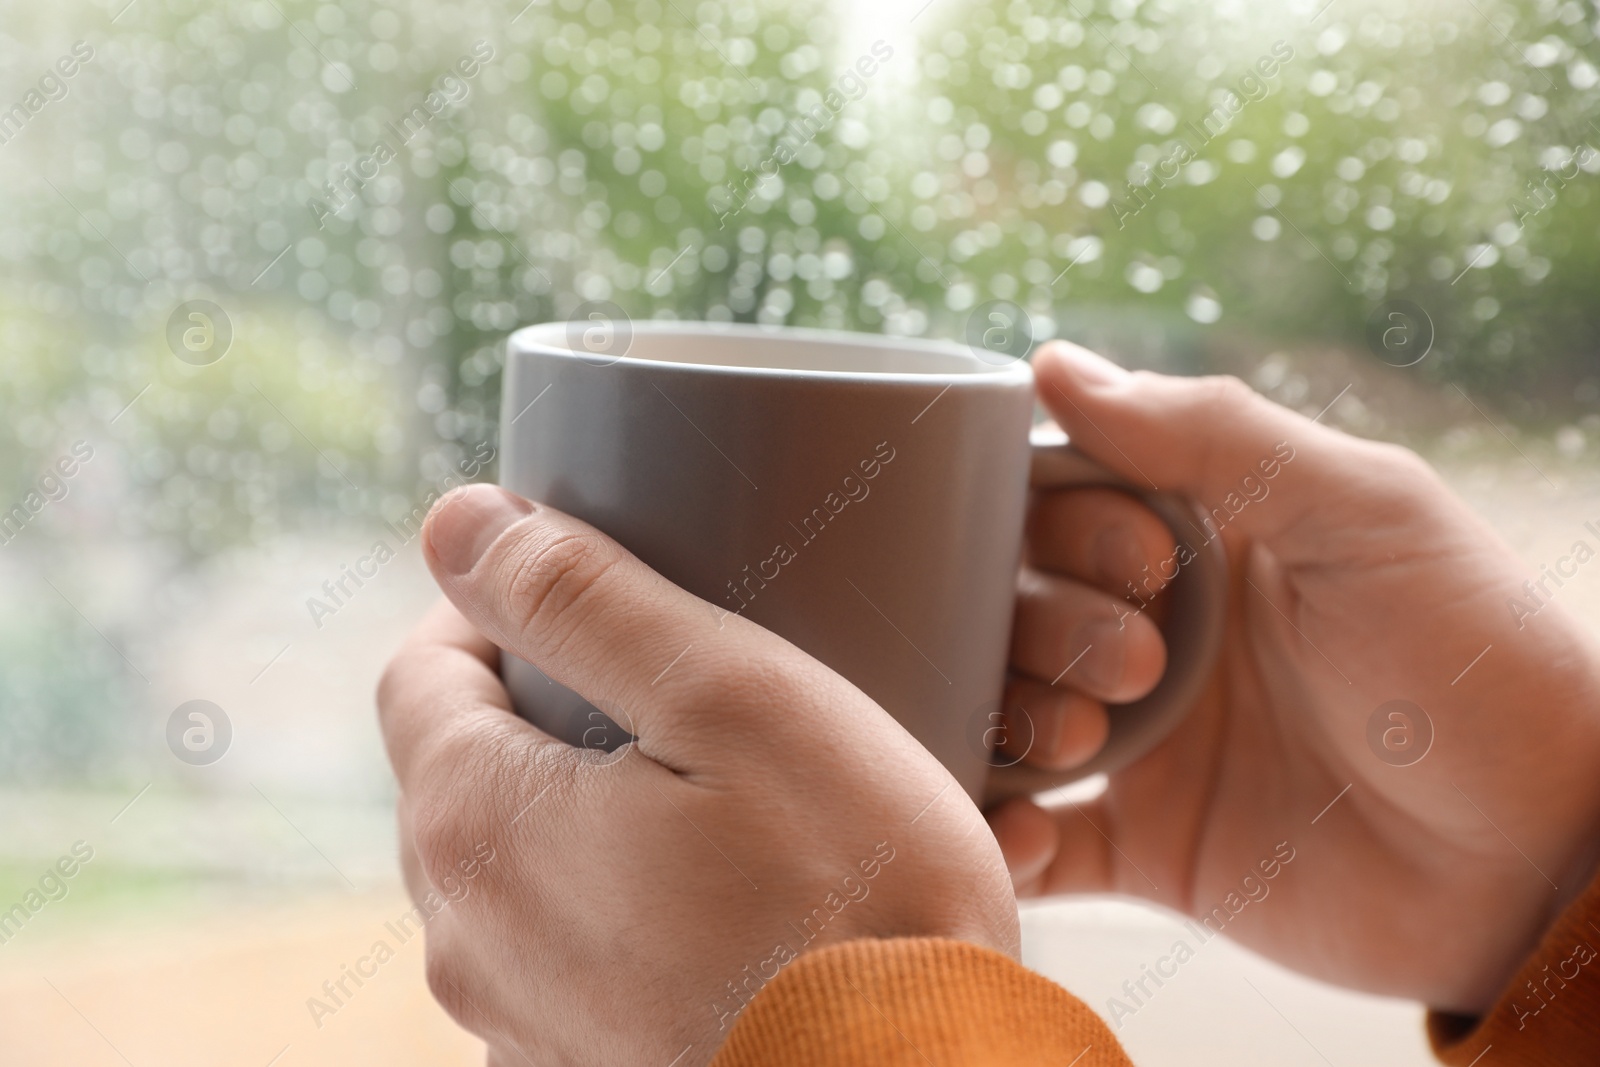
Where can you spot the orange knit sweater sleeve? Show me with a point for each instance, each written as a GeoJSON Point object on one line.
{"type": "Point", "coordinates": [912, 1002]}
{"type": "Point", "coordinates": [1550, 1014]}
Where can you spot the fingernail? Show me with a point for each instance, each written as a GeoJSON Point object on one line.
{"type": "Point", "coordinates": [1102, 649]}
{"type": "Point", "coordinates": [1117, 556]}
{"type": "Point", "coordinates": [1089, 368]}
{"type": "Point", "coordinates": [466, 522]}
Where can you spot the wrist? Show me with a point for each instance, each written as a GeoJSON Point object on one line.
{"type": "Point", "coordinates": [1578, 873]}
{"type": "Point", "coordinates": [1571, 880]}
{"type": "Point", "coordinates": [1574, 880]}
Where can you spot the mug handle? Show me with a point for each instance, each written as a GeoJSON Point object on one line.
{"type": "Point", "coordinates": [1197, 600]}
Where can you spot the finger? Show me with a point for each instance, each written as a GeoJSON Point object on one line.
{"type": "Point", "coordinates": [1027, 840]}
{"type": "Point", "coordinates": [1070, 849]}
{"type": "Point", "coordinates": [1102, 537]}
{"type": "Point", "coordinates": [1049, 726]}
{"type": "Point", "coordinates": [459, 987]}
{"type": "Point", "coordinates": [590, 615]}
{"type": "Point", "coordinates": [442, 690]}
{"type": "Point", "coordinates": [1254, 466]}
{"type": "Point", "coordinates": [1066, 633]}
{"type": "Point", "coordinates": [416, 882]}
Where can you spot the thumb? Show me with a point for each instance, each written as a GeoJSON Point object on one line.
{"type": "Point", "coordinates": [1214, 440]}
{"type": "Point", "coordinates": [577, 605]}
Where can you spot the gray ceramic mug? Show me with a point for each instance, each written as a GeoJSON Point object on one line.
{"type": "Point", "coordinates": [861, 496]}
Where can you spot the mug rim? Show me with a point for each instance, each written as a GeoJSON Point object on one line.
{"type": "Point", "coordinates": [547, 339]}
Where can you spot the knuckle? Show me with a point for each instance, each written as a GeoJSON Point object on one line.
{"type": "Point", "coordinates": [775, 682]}
{"type": "Point", "coordinates": [554, 582]}
{"type": "Point", "coordinates": [1218, 398]}
{"type": "Point", "coordinates": [1224, 392]}
{"type": "Point", "coordinates": [1406, 461]}
{"type": "Point", "coordinates": [445, 975]}
{"type": "Point", "coordinates": [472, 781]}
{"type": "Point", "coordinates": [445, 824]}
{"type": "Point", "coordinates": [1402, 468]}
{"type": "Point", "coordinates": [390, 683]}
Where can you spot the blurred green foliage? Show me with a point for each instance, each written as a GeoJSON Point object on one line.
{"type": "Point", "coordinates": [995, 154]}
{"type": "Point", "coordinates": [63, 706]}
{"type": "Point", "coordinates": [712, 160]}
{"type": "Point", "coordinates": [1389, 155]}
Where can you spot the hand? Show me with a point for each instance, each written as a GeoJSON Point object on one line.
{"type": "Point", "coordinates": [1357, 578]}
{"type": "Point", "coordinates": [632, 901]}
